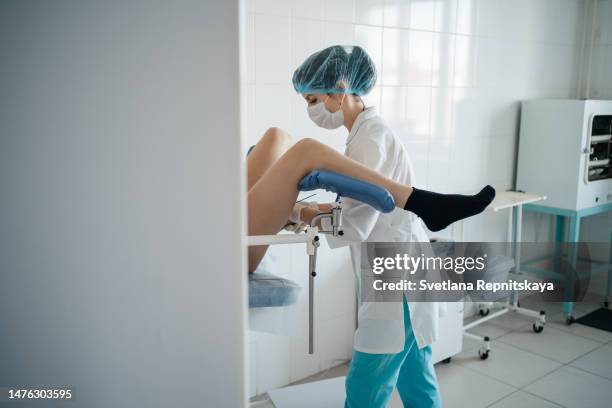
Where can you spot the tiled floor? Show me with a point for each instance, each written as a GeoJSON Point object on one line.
{"type": "Point", "coordinates": [564, 366]}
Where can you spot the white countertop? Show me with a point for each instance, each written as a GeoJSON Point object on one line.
{"type": "Point", "coordinates": [509, 199]}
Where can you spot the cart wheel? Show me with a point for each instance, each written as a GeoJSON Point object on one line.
{"type": "Point", "coordinates": [537, 328]}
{"type": "Point", "coordinates": [484, 312]}
{"type": "Point", "coordinates": [483, 354]}
{"type": "Point", "coordinates": [569, 320]}
{"type": "Point", "coordinates": [446, 360]}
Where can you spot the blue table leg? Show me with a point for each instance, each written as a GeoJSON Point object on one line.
{"type": "Point", "coordinates": [609, 291]}
{"type": "Point", "coordinates": [559, 239]}
{"type": "Point", "coordinates": [573, 237]}
{"type": "Point", "coordinates": [560, 228]}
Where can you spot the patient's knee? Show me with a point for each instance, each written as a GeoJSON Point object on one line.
{"type": "Point", "coordinates": [277, 135]}
{"type": "Point", "coordinates": [307, 145]}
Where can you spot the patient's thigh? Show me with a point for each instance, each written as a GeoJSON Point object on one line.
{"type": "Point", "coordinates": [270, 202]}
{"type": "Point", "coordinates": [273, 144]}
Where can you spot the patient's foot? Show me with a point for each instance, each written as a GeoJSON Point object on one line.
{"type": "Point", "coordinates": [438, 211]}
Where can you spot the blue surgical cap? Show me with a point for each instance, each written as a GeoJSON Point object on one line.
{"type": "Point", "coordinates": [322, 71]}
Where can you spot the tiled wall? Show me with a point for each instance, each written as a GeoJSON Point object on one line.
{"type": "Point", "coordinates": [601, 65]}
{"type": "Point", "coordinates": [451, 75]}
{"type": "Point", "coordinates": [597, 228]}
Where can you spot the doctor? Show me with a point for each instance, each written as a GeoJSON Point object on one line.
{"type": "Point", "coordinates": [392, 341]}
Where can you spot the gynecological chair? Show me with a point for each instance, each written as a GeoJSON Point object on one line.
{"type": "Point", "coordinates": [266, 290]}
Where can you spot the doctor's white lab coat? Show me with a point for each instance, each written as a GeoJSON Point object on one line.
{"type": "Point", "coordinates": [381, 324]}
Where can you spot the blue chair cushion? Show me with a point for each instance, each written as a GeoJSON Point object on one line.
{"type": "Point", "coordinates": [267, 290]}
{"type": "Point", "coordinates": [346, 186]}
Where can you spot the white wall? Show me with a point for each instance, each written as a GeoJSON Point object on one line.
{"type": "Point", "coordinates": [601, 65]}
{"type": "Point", "coordinates": [599, 228]}
{"type": "Point", "coordinates": [121, 263]}
{"type": "Point", "coordinates": [451, 75]}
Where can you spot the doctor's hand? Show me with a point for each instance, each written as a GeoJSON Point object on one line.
{"type": "Point", "coordinates": [309, 213]}
{"type": "Point", "coordinates": [326, 207]}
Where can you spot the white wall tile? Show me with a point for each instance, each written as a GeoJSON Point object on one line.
{"type": "Point", "coordinates": [608, 17]}
{"type": "Point", "coordinates": [252, 366]}
{"type": "Point", "coordinates": [272, 362]}
{"type": "Point", "coordinates": [418, 151]}
{"type": "Point", "coordinates": [340, 10]}
{"type": "Point", "coordinates": [273, 49]}
{"type": "Point", "coordinates": [573, 18]}
{"type": "Point", "coordinates": [470, 118]}
{"type": "Point", "coordinates": [560, 66]}
{"type": "Point", "coordinates": [251, 127]}
{"type": "Point", "coordinates": [395, 56]}
{"type": "Point", "coordinates": [438, 170]}
{"type": "Point", "coordinates": [466, 52]}
{"type": "Point", "coordinates": [308, 37]}
{"type": "Point", "coordinates": [301, 363]}
{"type": "Point", "coordinates": [440, 141]}
{"type": "Point", "coordinates": [407, 57]}
{"type": "Point", "coordinates": [467, 16]}
{"type": "Point", "coordinates": [502, 108]}
{"type": "Point", "coordinates": [500, 160]}
{"type": "Point", "coordinates": [599, 70]}
{"type": "Point", "coordinates": [369, 12]}
{"type": "Point", "coordinates": [489, 60]}
{"type": "Point", "coordinates": [274, 7]}
{"type": "Point", "coordinates": [337, 283]}
{"type": "Point", "coordinates": [397, 13]}
{"type": "Point", "coordinates": [373, 98]}
{"type": "Point", "coordinates": [407, 110]}
{"type": "Point", "coordinates": [336, 341]}
{"type": "Point", "coordinates": [492, 16]}
{"type": "Point", "coordinates": [314, 9]}
{"type": "Point", "coordinates": [250, 6]}
{"type": "Point", "coordinates": [445, 17]}
{"type": "Point", "coordinates": [467, 175]}
{"type": "Point", "coordinates": [339, 34]}
{"type": "Point", "coordinates": [606, 80]}
{"type": "Point", "coordinates": [441, 113]}
{"type": "Point", "coordinates": [370, 39]}
{"type": "Point", "coordinates": [422, 15]}
{"type": "Point", "coordinates": [272, 107]}
{"type": "Point", "coordinates": [250, 48]}
{"type": "Point", "coordinates": [443, 60]}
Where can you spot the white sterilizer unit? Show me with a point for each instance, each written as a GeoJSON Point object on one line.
{"type": "Point", "coordinates": [565, 152]}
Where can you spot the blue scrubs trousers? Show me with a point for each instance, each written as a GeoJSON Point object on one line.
{"type": "Point", "coordinates": [372, 377]}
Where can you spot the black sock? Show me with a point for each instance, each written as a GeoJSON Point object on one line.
{"type": "Point", "coordinates": [438, 211]}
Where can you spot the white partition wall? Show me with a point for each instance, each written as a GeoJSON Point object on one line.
{"type": "Point", "coordinates": [122, 271]}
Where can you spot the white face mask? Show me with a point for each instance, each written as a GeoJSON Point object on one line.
{"type": "Point", "coordinates": [319, 114]}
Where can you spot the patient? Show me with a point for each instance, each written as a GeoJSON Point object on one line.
{"type": "Point", "coordinates": [277, 164]}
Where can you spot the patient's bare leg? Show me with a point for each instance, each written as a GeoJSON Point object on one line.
{"type": "Point", "coordinates": [272, 145]}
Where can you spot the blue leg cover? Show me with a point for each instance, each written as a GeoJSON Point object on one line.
{"type": "Point", "coordinates": [346, 186]}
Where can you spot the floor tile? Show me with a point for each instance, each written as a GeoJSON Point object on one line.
{"type": "Point", "coordinates": [573, 388]}
{"type": "Point", "coordinates": [488, 329]}
{"type": "Point", "coordinates": [471, 344]}
{"type": "Point", "coordinates": [523, 399]}
{"type": "Point", "coordinates": [396, 401]}
{"type": "Point", "coordinates": [558, 321]}
{"type": "Point", "coordinates": [511, 321]}
{"type": "Point", "coordinates": [598, 362]}
{"type": "Point", "coordinates": [333, 372]}
{"type": "Point", "coordinates": [551, 343]}
{"type": "Point", "coordinates": [462, 387]}
{"type": "Point", "coordinates": [536, 303]}
{"type": "Point", "coordinates": [508, 364]}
